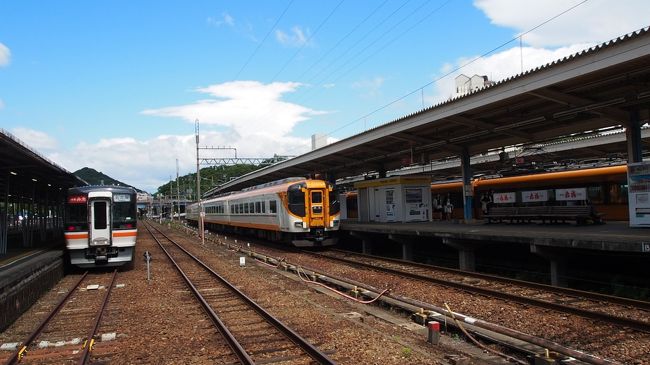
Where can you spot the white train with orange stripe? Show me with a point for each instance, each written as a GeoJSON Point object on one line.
{"type": "Point", "coordinates": [101, 226]}
{"type": "Point", "coordinates": [299, 211]}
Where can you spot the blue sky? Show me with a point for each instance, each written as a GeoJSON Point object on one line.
{"type": "Point", "coordinates": [116, 85]}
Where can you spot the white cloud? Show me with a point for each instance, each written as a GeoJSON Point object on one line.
{"type": "Point", "coordinates": [37, 140]}
{"type": "Point", "coordinates": [5, 55]}
{"type": "Point", "coordinates": [329, 85]}
{"type": "Point", "coordinates": [591, 23]}
{"type": "Point", "coordinates": [595, 21]}
{"type": "Point", "coordinates": [225, 19]}
{"type": "Point", "coordinates": [498, 66]}
{"type": "Point", "coordinates": [147, 164]}
{"type": "Point", "coordinates": [247, 115]}
{"type": "Point", "coordinates": [246, 108]}
{"type": "Point", "coordinates": [297, 37]}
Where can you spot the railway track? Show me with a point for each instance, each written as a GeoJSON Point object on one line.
{"type": "Point", "coordinates": [614, 310]}
{"type": "Point", "coordinates": [67, 333]}
{"type": "Point", "coordinates": [253, 335]}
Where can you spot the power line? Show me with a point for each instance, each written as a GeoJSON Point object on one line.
{"type": "Point", "coordinates": [389, 16]}
{"type": "Point", "coordinates": [263, 40]}
{"type": "Point", "coordinates": [457, 68]}
{"type": "Point", "coordinates": [377, 40]}
{"type": "Point", "coordinates": [343, 39]}
{"type": "Point", "coordinates": [393, 40]}
{"type": "Point", "coordinates": [307, 41]}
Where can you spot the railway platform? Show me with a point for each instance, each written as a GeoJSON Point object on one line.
{"type": "Point", "coordinates": [550, 241]}
{"type": "Point", "coordinates": [24, 276]}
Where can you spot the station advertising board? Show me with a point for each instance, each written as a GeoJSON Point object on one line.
{"type": "Point", "coordinates": [534, 196]}
{"type": "Point", "coordinates": [571, 194]}
{"type": "Point", "coordinates": [504, 198]}
{"type": "Point", "coordinates": [638, 179]}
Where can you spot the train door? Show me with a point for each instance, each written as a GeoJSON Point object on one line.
{"type": "Point", "coordinates": [100, 222]}
{"type": "Point", "coordinates": [316, 218]}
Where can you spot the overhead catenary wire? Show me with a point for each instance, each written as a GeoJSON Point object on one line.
{"type": "Point", "coordinates": [342, 39]}
{"type": "Point", "coordinates": [381, 37]}
{"type": "Point", "coordinates": [457, 68]}
{"type": "Point", "coordinates": [306, 42]}
{"type": "Point", "coordinates": [259, 45]}
{"type": "Point", "coordinates": [353, 46]}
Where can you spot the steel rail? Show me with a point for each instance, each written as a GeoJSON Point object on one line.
{"type": "Point", "coordinates": [414, 304]}
{"type": "Point", "coordinates": [574, 292]}
{"type": "Point", "coordinates": [307, 347]}
{"type": "Point", "coordinates": [235, 346]}
{"type": "Point", "coordinates": [90, 339]}
{"type": "Point", "coordinates": [19, 353]}
{"type": "Point", "coordinates": [619, 321]}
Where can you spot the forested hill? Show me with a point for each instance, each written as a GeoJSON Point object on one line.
{"type": "Point", "coordinates": [94, 177]}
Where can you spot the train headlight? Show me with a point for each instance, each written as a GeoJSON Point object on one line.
{"type": "Point", "coordinates": [298, 224]}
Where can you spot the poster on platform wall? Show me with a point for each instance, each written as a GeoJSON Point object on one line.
{"type": "Point", "coordinates": [571, 194]}
{"type": "Point", "coordinates": [534, 196]}
{"type": "Point", "coordinates": [638, 179]}
{"type": "Point", "coordinates": [504, 198]}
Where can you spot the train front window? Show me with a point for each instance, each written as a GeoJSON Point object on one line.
{"type": "Point", "coordinates": [296, 200]}
{"type": "Point", "coordinates": [123, 215]}
{"type": "Point", "coordinates": [99, 209]}
{"type": "Point", "coordinates": [76, 217]}
{"type": "Point", "coordinates": [316, 197]}
{"type": "Point", "coordinates": [335, 205]}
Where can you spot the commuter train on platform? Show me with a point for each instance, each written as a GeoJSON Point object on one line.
{"type": "Point", "coordinates": [101, 226]}
{"type": "Point", "coordinates": [301, 212]}
{"type": "Point", "coordinates": [606, 190]}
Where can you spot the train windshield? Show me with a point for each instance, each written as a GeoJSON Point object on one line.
{"type": "Point", "coordinates": [77, 217]}
{"type": "Point", "coordinates": [335, 205]}
{"type": "Point", "coordinates": [124, 214]}
{"type": "Point", "coordinates": [296, 199]}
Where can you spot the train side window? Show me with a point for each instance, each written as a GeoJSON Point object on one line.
{"type": "Point", "coordinates": [246, 208]}
{"type": "Point", "coordinates": [273, 207]}
{"type": "Point", "coordinates": [263, 204]}
{"type": "Point", "coordinates": [251, 207]}
{"type": "Point", "coordinates": [618, 194]}
{"type": "Point", "coordinates": [595, 194]}
{"type": "Point", "coordinates": [258, 208]}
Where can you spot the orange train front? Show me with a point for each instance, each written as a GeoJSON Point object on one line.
{"type": "Point", "coordinates": [301, 212]}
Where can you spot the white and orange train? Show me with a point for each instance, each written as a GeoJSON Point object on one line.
{"type": "Point", "coordinates": [101, 226]}
{"type": "Point", "coordinates": [298, 211]}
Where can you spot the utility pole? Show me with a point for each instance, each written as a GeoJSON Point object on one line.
{"type": "Point", "coordinates": [178, 193]}
{"type": "Point", "coordinates": [198, 171]}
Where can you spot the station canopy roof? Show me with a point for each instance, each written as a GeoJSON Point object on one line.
{"type": "Point", "coordinates": [28, 172]}
{"type": "Point", "coordinates": [601, 87]}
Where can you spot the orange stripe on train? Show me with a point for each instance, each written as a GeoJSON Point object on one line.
{"type": "Point", "coordinates": [125, 234]}
{"type": "Point", "coordinates": [76, 236]}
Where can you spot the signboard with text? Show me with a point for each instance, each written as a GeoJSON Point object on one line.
{"type": "Point", "coordinates": [638, 177]}
{"type": "Point", "coordinates": [504, 198]}
{"type": "Point", "coordinates": [571, 194]}
{"type": "Point", "coordinates": [534, 196]}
